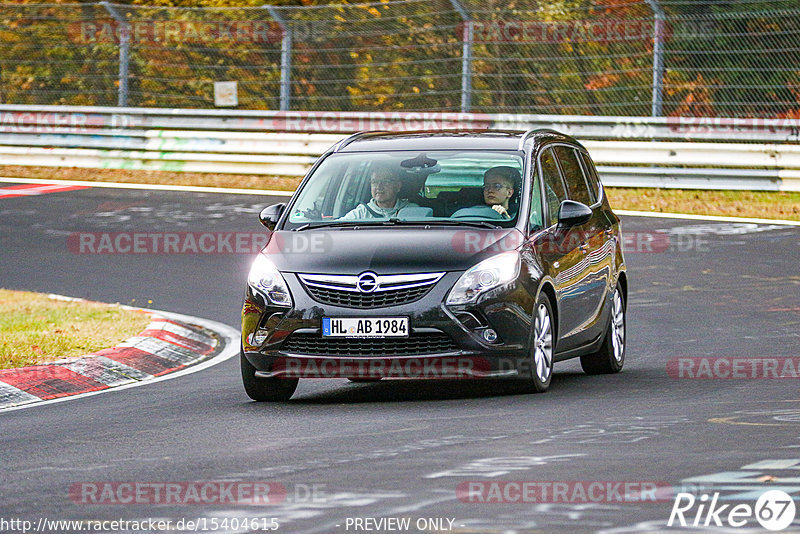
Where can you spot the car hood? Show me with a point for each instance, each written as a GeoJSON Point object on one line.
{"type": "Point", "coordinates": [391, 250]}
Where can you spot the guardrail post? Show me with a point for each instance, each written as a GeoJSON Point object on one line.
{"type": "Point", "coordinates": [286, 57]}
{"type": "Point", "coordinates": [466, 56]}
{"type": "Point", "coordinates": [658, 57]}
{"type": "Point", "coordinates": [124, 53]}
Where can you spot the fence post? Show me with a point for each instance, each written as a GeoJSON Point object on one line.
{"type": "Point", "coordinates": [658, 57]}
{"type": "Point", "coordinates": [124, 53]}
{"type": "Point", "coordinates": [466, 57]}
{"type": "Point", "coordinates": [286, 57]}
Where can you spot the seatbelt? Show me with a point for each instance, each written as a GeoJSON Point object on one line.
{"type": "Point", "coordinates": [373, 212]}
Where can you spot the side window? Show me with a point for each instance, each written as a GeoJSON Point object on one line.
{"type": "Point", "coordinates": [591, 174]}
{"type": "Point", "coordinates": [553, 186]}
{"type": "Point", "coordinates": [350, 188]}
{"type": "Point", "coordinates": [573, 174]}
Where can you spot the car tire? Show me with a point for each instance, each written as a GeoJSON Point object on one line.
{"type": "Point", "coordinates": [611, 356]}
{"type": "Point", "coordinates": [542, 347]}
{"type": "Point", "coordinates": [265, 389]}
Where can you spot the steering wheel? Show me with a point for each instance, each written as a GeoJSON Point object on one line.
{"type": "Point", "coordinates": [482, 212]}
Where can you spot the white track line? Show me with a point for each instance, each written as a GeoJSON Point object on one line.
{"type": "Point", "coordinates": [152, 187]}
{"type": "Point", "coordinates": [267, 192]}
{"type": "Point", "coordinates": [705, 217]}
{"type": "Point", "coordinates": [228, 335]}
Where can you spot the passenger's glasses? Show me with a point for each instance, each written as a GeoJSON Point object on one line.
{"type": "Point", "coordinates": [496, 187]}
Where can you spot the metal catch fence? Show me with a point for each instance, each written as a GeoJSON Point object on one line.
{"type": "Point", "coordinates": [705, 58]}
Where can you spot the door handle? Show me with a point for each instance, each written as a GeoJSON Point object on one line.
{"type": "Point", "coordinates": [584, 247]}
{"type": "Point", "coordinates": [609, 232]}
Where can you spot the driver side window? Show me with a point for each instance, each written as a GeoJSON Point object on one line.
{"type": "Point", "coordinates": [553, 186]}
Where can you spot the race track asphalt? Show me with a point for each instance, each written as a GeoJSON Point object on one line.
{"type": "Point", "coordinates": [399, 449]}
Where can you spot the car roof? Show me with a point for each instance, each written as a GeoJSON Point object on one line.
{"type": "Point", "coordinates": [448, 140]}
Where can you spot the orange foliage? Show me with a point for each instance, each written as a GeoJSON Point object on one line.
{"type": "Point", "coordinates": [602, 81]}
{"type": "Point", "coordinates": [697, 100]}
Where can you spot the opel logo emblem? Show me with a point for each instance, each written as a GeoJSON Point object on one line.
{"type": "Point", "coordinates": [367, 282]}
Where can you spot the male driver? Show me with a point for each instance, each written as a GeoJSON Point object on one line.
{"type": "Point", "coordinates": [385, 187]}
{"type": "Point", "coordinates": [498, 188]}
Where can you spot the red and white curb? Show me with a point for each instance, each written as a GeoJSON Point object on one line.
{"type": "Point", "coordinates": [172, 345]}
{"type": "Point", "coordinates": [28, 190]}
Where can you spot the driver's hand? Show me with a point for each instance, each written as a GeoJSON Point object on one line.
{"type": "Point", "coordinates": [501, 210]}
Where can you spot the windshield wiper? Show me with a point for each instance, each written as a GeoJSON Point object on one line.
{"type": "Point", "coordinates": [322, 225]}
{"type": "Point", "coordinates": [456, 222]}
{"type": "Point", "coordinates": [451, 222]}
{"type": "Point", "coordinates": [395, 220]}
{"type": "Point", "coordinates": [353, 224]}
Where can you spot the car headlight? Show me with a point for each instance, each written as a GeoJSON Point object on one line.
{"type": "Point", "coordinates": [488, 274]}
{"type": "Point", "coordinates": [266, 278]}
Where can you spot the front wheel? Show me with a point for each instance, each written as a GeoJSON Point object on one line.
{"type": "Point", "coordinates": [611, 356]}
{"type": "Point", "coordinates": [265, 389]}
{"type": "Point", "coordinates": [542, 347]}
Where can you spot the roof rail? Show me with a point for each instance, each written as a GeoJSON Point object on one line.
{"type": "Point", "coordinates": [525, 137]}
{"type": "Point", "coordinates": [346, 141]}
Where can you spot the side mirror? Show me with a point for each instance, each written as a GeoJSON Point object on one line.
{"type": "Point", "coordinates": [269, 216]}
{"type": "Point", "coordinates": [572, 213]}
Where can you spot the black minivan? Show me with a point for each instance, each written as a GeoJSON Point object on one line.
{"type": "Point", "coordinates": [437, 255]}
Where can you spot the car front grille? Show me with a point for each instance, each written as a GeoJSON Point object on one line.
{"type": "Point", "coordinates": [350, 299]}
{"type": "Point", "coordinates": [390, 290]}
{"type": "Point", "coordinates": [414, 345]}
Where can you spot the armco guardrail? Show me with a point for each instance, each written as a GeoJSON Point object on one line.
{"type": "Point", "coordinates": [43, 119]}
{"type": "Point", "coordinates": [286, 143]}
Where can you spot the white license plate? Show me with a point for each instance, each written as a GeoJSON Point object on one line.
{"type": "Point", "coordinates": [365, 327]}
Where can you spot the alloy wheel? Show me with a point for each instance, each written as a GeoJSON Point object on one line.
{"type": "Point", "coordinates": [543, 340]}
{"type": "Point", "coordinates": [618, 327]}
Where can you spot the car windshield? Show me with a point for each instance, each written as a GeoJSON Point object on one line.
{"type": "Point", "coordinates": [448, 187]}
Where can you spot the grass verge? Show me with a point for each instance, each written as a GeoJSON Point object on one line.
{"type": "Point", "coordinates": [240, 181]}
{"type": "Point", "coordinates": [36, 329]}
{"type": "Point", "coordinates": [759, 204]}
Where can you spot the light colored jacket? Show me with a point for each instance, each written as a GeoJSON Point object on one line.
{"type": "Point", "coordinates": [361, 212]}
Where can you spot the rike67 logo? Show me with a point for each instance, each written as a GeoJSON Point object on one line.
{"type": "Point", "coordinates": [774, 510]}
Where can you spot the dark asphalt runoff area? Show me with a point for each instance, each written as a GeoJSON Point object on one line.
{"type": "Point", "coordinates": [367, 457]}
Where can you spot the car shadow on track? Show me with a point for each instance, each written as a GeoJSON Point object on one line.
{"type": "Point", "coordinates": [408, 390]}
